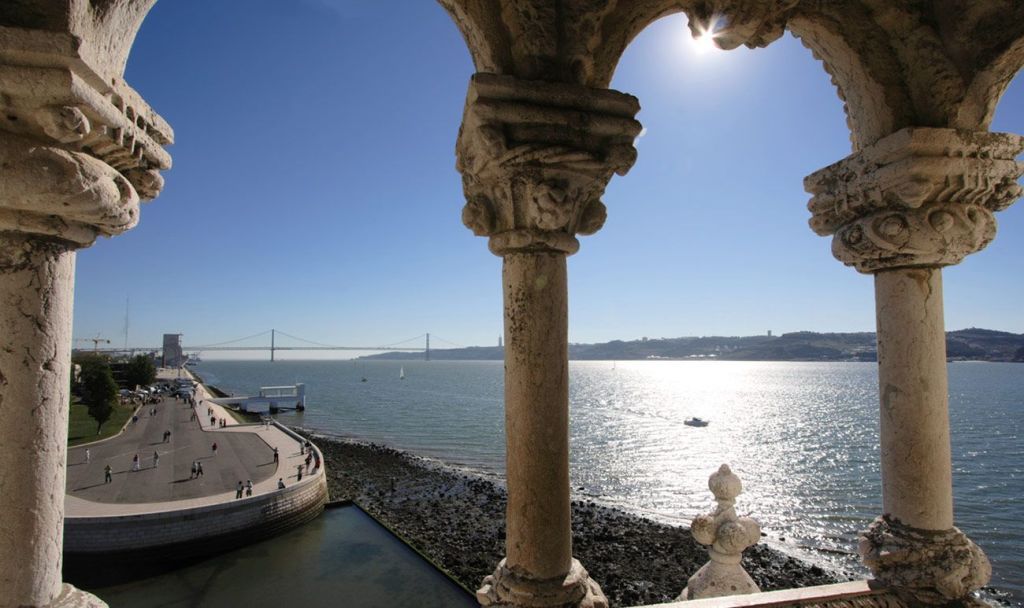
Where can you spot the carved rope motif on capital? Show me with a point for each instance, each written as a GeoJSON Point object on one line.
{"type": "Point", "coordinates": [919, 197]}
{"type": "Point", "coordinates": [931, 567]}
{"type": "Point", "coordinates": [535, 158]}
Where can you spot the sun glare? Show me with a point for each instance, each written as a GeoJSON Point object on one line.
{"type": "Point", "coordinates": [705, 43]}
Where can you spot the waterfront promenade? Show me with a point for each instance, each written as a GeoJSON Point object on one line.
{"type": "Point", "coordinates": [244, 452]}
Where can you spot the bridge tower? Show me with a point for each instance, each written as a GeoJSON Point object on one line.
{"type": "Point", "coordinates": [272, 345]}
{"type": "Point", "coordinates": [428, 346]}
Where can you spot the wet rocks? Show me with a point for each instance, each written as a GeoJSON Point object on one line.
{"type": "Point", "coordinates": [457, 520]}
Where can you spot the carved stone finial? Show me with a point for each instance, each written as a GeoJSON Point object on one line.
{"type": "Point", "coordinates": [919, 197]}
{"type": "Point", "coordinates": [535, 158]}
{"type": "Point", "coordinates": [727, 535]}
{"type": "Point", "coordinates": [933, 567]}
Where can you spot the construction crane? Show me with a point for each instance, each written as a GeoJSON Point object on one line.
{"type": "Point", "coordinates": [95, 342]}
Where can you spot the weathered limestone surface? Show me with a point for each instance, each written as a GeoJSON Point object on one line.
{"type": "Point", "coordinates": [727, 535]}
{"type": "Point", "coordinates": [78, 149]}
{"type": "Point", "coordinates": [919, 197]}
{"type": "Point", "coordinates": [535, 159]}
{"type": "Point", "coordinates": [901, 209]}
{"type": "Point", "coordinates": [931, 567]}
{"type": "Point", "coordinates": [36, 282]}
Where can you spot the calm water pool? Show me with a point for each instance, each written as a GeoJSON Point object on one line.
{"type": "Point", "coordinates": [343, 558]}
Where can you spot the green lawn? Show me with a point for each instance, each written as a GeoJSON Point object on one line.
{"type": "Point", "coordinates": [82, 428]}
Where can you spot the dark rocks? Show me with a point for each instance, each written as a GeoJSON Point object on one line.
{"type": "Point", "coordinates": [458, 521]}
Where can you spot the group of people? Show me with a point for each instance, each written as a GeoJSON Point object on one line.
{"type": "Point", "coordinates": [247, 487]}
{"type": "Point", "coordinates": [137, 462]}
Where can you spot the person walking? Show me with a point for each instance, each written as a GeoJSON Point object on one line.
{"type": "Point", "coordinates": [195, 468]}
{"type": "Point", "coordinates": [135, 462]}
{"type": "Point", "coordinates": [299, 467]}
{"type": "Point", "coordinates": [88, 455]}
{"type": "Point", "coordinates": [214, 448]}
{"type": "Point", "coordinates": [248, 487]}
{"type": "Point", "coordinates": [199, 469]}
{"type": "Point", "coordinates": [277, 456]}
{"type": "Point", "coordinates": [156, 460]}
{"type": "Point", "coordinates": [107, 474]}
{"type": "Point", "coordinates": [238, 491]}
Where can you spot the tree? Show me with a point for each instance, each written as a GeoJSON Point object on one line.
{"type": "Point", "coordinates": [99, 391]}
{"type": "Point", "coordinates": [140, 372]}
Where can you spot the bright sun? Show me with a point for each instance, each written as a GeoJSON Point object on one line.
{"type": "Point", "coordinates": [704, 42]}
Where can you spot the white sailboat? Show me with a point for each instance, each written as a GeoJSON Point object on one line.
{"type": "Point", "coordinates": [401, 373]}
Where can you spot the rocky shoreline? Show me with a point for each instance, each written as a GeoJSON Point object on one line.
{"type": "Point", "coordinates": [441, 511]}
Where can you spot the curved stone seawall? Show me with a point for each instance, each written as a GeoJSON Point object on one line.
{"type": "Point", "coordinates": [200, 530]}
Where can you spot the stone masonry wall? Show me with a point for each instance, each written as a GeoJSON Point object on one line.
{"type": "Point", "coordinates": [198, 530]}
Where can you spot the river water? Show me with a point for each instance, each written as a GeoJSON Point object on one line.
{"type": "Point", "coordinates": [803, 437]}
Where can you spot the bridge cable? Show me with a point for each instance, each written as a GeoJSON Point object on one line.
{"type": "Point", "coordinates": [263, 333]}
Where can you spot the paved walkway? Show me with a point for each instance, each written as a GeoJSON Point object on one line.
{"type": "Point", "coordinates": [243, 452]}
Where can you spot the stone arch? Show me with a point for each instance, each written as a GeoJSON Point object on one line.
{"type": "Point", "coordinates": [989, 85]}
{"type": "Point", "coordinates": [484, 32]}
{"type": "Point", "coordinates": [894, 65]}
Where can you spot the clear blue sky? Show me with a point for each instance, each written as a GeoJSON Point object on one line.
{"type": "Point", "coordinates": [314, 191]}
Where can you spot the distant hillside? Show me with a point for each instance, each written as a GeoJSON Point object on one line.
{"type": "Point", "coordinates": [965, 344]}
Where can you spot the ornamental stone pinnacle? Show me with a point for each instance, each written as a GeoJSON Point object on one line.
{"type": "Point", "coordinates": [535, 158]}
{"type": "Point", "coordinates": [727, 535]}
{"type": "Point", "coordinates": [919, 197]}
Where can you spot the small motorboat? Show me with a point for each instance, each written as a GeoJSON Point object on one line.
{"type": "Point", "coordinates": [696, 422]}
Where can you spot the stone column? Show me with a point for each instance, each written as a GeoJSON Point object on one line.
{"type": "Point", "coordinates": [535, 158]}
{"type": "Point", "coordinates": [901, 209]}
{"type": "Point", "coordinates": [536, 413]}
{"type": "Point", "coordinates": [77, 149]}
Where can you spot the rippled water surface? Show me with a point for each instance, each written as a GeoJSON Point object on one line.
{"type": "Point", "coordinates": [802, 436]}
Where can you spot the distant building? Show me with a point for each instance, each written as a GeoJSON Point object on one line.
{"type": "Point", "coordinates": [173, 355]}
{"type": "Point", "coordinates": [769, 333]}
{"type": "Point", "coordinates": [500, 344]}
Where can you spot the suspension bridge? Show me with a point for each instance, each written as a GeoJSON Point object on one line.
{"type": "Point", "coordinates": [274, 345]}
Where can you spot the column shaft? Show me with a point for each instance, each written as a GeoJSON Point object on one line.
{"type": "Point", "coordinates": [915, 445]}
{"type": "Point", "coordinates": [36, 291]}
{"type": "Point", "coordinates": [539, 535]}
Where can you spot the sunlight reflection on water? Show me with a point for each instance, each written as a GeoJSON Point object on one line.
{"type": "Point", "coordinates": [802, 436]}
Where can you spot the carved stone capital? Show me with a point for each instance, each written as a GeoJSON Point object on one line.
{"type": "Point", "coordinates": [509, 589]}
{"type": "Point", "coordinates": [55, 94]}
{"type": "Point", "coordinates": [754, 23]}
{"type": "Point", "coordinates": [535, 158]}
{"type": "Point", "coordinates": [931, 567]}
{"type": "Point", "coordinates": [919, 197]}
{"type": "Point", "coordinates": [54, 192]}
